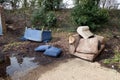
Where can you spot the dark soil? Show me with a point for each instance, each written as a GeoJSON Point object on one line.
{"type": "Point", "coordinates": [10, 44]}
{"type": "Point", "coordinates": [111, 46]}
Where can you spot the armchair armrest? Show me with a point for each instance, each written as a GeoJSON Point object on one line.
{"type": "Point", "coordinates": [73, 43]}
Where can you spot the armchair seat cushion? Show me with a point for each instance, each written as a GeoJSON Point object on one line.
{"type": "Point", "coordinates": [90, 56]}
{"type": "Point", "coordinates": [88, 45]}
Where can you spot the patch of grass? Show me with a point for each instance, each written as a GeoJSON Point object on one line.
{"type": "Point", "coordinates": [107, 61]}
{"type": "Point", "coordinates": [114, 60]}
{"type": "Point", "coordinates": [12, 45]}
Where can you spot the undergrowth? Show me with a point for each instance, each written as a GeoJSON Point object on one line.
{"type": "Point", "coordinates": [115, 59]}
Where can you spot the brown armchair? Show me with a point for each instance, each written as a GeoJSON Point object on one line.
{"type": "Point", "coordinates": [87, 49]}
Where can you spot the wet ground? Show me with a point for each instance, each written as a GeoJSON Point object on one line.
{"type": "Point", "coordinates": [20, 64]}
{"type": "Point", "coordinates": [21, 57]}
{"type": "Point", "coordinates": [17, 66]}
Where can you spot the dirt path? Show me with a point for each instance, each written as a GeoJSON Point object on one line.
{"type": "Point", "coordinates": [73, 69]}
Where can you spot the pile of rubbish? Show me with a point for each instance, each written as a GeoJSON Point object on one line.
{"type": "Point", "coordinates": [85, 44]}
{"type": "Point", "coordinates": [41, 36]}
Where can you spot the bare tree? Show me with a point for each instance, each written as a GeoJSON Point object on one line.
{"type": "Point", "coordinates": [102, 3]}
{"type": "Point", "coordinates": [109, 4]}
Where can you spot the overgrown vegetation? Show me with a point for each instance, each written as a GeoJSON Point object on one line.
{"type": "Point", "coordinates": [87, 12]}
{"type": "Point", "coordinates": [114, 59]}
{"type": "Point", "coordinates": [38, 17]}
{"type": "Point", "coordinates": [44, 18]}
{"type": "Point", "coordinates": [13, 46]}
{"type": "Point", "coordinates": [51, 4]}
{"type": "Point", "coordinates": [44, 15]}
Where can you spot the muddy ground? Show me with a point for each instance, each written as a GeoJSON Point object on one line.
{"type": "Point", "coordinates": [15, 49]}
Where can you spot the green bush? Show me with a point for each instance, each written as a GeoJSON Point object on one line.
{"type": "Point", "coordinates": [88, 13]}
{"type": "Point", "coordinates": [1, 1]}
{"type": "Point", "coordinates": [51, 4]}
{"type": "Point", "coordinates": [51, 19]}
{"type": "Point", "coordinates": [38, 17]}
{"type": "Point", "coordinates": [43, 18]}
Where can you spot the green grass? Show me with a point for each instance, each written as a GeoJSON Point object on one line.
{"type": "Point", "coordinates": [114, 59]}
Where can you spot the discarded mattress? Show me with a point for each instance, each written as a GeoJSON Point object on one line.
{"type": "Point", "coordinates": [32, 34]}
{"type": "Point", "coordinates": [53, 51]}
{"type": "Point", "coordinates": [42, 48]}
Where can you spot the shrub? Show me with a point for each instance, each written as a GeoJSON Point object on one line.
{"type": "Point", "coordinates": [87, 12]}
{"type": "Point", "coordinates": [1, 1]}
{"type": "Point", "coordinates": [49, 5]}
{"type": "Point", "coordinates": [43, 18]}
{"type": "Point", "coordinates": [38, 17]}
{"type": "Point", "coordinates": [51, 19]}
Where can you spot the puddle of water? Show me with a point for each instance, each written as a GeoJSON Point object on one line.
{"type": "Point", "coordinates": [17, 67]}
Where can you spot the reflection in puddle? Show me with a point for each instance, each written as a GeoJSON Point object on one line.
{"type": "Point", "coordinates": [24, 67]}
{"type": "Point", "coordinates": [18, 67]}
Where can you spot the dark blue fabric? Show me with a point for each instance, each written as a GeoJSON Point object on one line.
{"type": "Point", "coordinates": [46, 36]}
{"type": "Point", "coordinates": [23, 39]}
{"type": "Point", "coordinates": [42, 48]}
{"type": "Point", "coordinates": [53, 51]}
